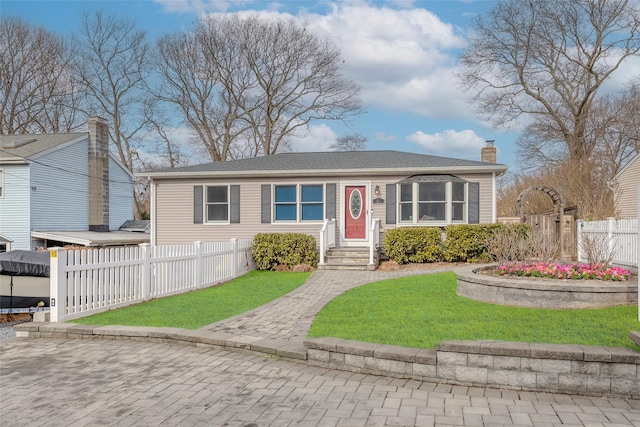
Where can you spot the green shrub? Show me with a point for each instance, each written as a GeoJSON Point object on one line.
{"type": "Point", "coordinates": [272, 249]}
{"type": "Point", "coordinates": [467, 242]}
{"type": "Point", "coordinates": [413, 244]}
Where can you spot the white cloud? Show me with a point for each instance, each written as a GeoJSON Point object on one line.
{"type": "Point", "coordinates": [204, 6]}
{"type": "Point", "coordinates": [199, 6]}
{"type": "Point", "coordinates": [385, 137]}
{"type": "Point", "coordinates": [319, 138]}
{"type": "Point", "coordinates": [403, 56]}
{"type": "Point", "coordinates": [464, 144]}
{"type": "Point", "coordinates": [405, 60]}
{"type": "Point", "coordinates": [628, 72]}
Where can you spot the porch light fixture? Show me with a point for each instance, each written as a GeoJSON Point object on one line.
{"type": "Point", "coordinates": [377, 190]}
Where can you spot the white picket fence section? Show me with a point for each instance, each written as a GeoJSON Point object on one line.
{"type": "Point", "coordinates": [621, 236]}
{"type": "Point", "coordinates": [85, 282]}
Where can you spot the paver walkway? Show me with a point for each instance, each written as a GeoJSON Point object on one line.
{"type": "Point", "coordinates": [290, 316]}
{"type": "Point", "coordinates": [60, 382]}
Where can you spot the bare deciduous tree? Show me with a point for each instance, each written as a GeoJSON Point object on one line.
{"type": "Point", "coordinates": [112, 66]}
{"type": "Point", "coordinates": [596, 248]}
{"type": "Point", "coordinates": [547, 60]}
{"type": "Point", "coordinates": [37, 94]}
{"type": "Point", "coordinates": [299, 78]}
{"type": "Point", "coordinates": [247, 85]}
{"type": "Point", "coordinates": [202, 77]}
{"type": "Point", "coordinates": [350, 142]}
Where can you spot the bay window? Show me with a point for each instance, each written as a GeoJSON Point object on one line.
{"type": "Point", "coordinates": [433, 199]}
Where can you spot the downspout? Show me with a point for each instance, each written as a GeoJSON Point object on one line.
{"type": "Point", "coordinates": [152, 206]}
{"type": "Point", "coordinates": [494, 199]}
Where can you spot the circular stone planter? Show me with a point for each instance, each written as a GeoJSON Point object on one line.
{"type": "Point", "coordinates": [542, 293]}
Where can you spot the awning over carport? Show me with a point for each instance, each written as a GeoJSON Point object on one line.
{"type": "Point", "coordinates": [93, 238]}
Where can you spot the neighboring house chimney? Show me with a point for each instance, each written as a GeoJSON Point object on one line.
{"type": "Point", "coordinates": [489, 152]}
{"type": "Point", "coordinates": [98, 174]}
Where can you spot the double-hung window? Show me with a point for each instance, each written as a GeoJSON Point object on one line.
{"type": "Point", "coordinates": [298, 203]}
{"type": "Point", "coordinates": [406, 202]}
{"type": "Point", "coordinates": [217, 203]}
{"type": "Point", "coordinates": [458, 201]}
{"type": "Point", "coordinates": [433, 199]}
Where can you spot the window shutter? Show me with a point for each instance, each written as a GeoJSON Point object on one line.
{"type": "Point", "coordinates": [234, 201]}
{"type": "Point", "coordinates": [474, 203]}
{"type": "Point", "coordinates": [266, 204]}
{"type": "Point", "coordinates": [391, 204]}
{"type": "Point", "coordinates": [330, 205]}
{"type": "Point", "coordinates": [198, 208]}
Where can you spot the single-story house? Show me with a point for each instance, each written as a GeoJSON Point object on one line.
{"type": "Point", "coordinates": [296, 192]}
{"type": "Point", "coordinates": [626, 184]}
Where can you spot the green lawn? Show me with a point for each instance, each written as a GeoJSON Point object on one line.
{"type": "Point", "coordinates": [196, 309]}
{"type": "Point", "coordinates": [421, 311]}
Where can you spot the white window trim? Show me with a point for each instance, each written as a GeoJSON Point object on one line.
{"type": "Point", "coordinates": [205, 217]}
{"type": "Point", "coordinates": [448, 220]}
{"type": "Point", "coordinates": [2, 184]}
{"type": "Point", "coordinates": [298, 204]}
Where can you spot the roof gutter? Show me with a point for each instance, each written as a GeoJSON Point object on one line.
{"type": "Point", "coordinates": [499, 169]}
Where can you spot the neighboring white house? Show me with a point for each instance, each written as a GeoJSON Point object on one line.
{"type": "Point", "coordinates": [63, 188]}
{"type": "Point", "coordinates": [626, 189]}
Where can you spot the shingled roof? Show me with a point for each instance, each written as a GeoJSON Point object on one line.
{"type": "Point", "coordinates": [353, 162]}
{"type": "Point", "coordinates": [19, 148]}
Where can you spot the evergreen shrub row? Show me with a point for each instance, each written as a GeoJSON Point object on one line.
{"type": "Point", "coordinates": [458, 243]}
{"type": "Point", "coordinates": [290, 249]}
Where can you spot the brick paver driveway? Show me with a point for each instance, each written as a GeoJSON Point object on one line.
{"type": "Point", "coordinates": [59, 382]}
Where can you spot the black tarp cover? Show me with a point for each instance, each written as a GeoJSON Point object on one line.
{"type": "Point", "coordinates": [25, 263]}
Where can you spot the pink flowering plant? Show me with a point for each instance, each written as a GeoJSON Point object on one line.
{"type": "Point", "coordinates": [564, 271]}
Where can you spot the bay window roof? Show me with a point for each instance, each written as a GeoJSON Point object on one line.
{"type": "Point", "coordinates": [431, 178]}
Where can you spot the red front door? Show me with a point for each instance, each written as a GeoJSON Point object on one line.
{"type": "Point", "coordinates": [355, 215]}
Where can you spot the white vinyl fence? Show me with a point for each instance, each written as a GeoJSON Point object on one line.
{"type": "Point", "coordinates": [85, 282]}
{"type": "Point", "coordinates": [620, 236]}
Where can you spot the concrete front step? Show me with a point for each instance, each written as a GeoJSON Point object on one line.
{"type": "Point", "coordinates": [347, 258]}
{"type": "Point", "coordinates": [357, 252]}
{"type": "Point", "coordinates": [360, 267]}
{"type": "Point", "coordinates": [340, 259]}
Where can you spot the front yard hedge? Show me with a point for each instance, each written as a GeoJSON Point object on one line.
{"type": "Point", "coordinates": [273, 249]}
{"type": "Point", "coordinates": [461, 242]}
{"type": "Point", "coordinates": [413, 244]}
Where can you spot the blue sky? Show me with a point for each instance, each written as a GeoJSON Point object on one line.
{"type": "Point", "coordinates": [403, 53]}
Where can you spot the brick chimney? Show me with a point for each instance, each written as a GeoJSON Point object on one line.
{"type": "Point", "coordinates": [489, 152]}
{"type": "Point", "coordinates": [98, 174]}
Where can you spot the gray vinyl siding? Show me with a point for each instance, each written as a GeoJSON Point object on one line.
{"type": "Point", "coordinates": [120, 195]}
{"type": "Point", "coordinates": [60, 197]}
{"type": "Point", "coordinates": [174, 207]}
{"type": "Point", "coordinates": [174, 212]}
{"type": "Point", "coordinates": [15, 221]}
{"type": "Point", "coordinates": [627, 191]}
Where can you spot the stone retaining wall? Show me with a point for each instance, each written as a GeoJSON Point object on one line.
{"type": "Point", "coordinates": [543, 293]}
{"type": "Point", "coordinates": [572, 369]}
